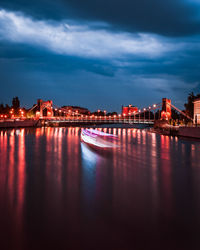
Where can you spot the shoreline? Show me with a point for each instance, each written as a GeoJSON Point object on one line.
{"type": "Point", "coordinates": [45, 123]}
{"type": "Point", "coordinates": [168, 130]}
{"type": "Point", "coordinates": [182, 132]}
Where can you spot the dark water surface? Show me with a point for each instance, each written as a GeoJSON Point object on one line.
{"type": "Point", "coordinates": [56, 193]}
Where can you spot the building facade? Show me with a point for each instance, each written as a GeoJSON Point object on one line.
{"type": "Point", "coordinates": [129, 110]}
{"type": "Point", "coordinates": [76, 109]}
{"type": "Point", "coordinates": [197, 111]}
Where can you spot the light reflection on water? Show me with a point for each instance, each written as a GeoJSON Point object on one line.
{"type": "Point", "coordinates": [52, 185]}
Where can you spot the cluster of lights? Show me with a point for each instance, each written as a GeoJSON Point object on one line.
{"type": "Point", "coordinates": [21, 112]}
{"type": "Point", "coordinates": [76, 112]}
{"type": "Point", "coordinates": [149, 108]}
{"type": "Point", "coordinates": [96, 117]}
{"type": "Point", "coordinates": [12, 114]}
{"type": "Point", "coordinates": [141, 110]}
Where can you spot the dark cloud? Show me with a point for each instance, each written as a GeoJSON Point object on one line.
{"type": "Point", "coordinates": [44, 61]}
{"type": "Point", "coordinates": [33, 73]}
{"type": "Point", "coordinates": [170, 17]}
{"type": "Point", "coordinates": [38, 8]}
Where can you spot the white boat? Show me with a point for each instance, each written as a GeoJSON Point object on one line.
{"type": "Point", "coordinates": [98, 139]}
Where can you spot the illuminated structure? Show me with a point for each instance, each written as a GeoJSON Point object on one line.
{"type": "Point", "coordinates": [129, 110]}
{"type": "Point", "coordinates": [166, 109]}
{"type": "Point", "coordinates": [197, 111]}
{"type": "Point", "coordinates": [76, 109]}
{"type": "Point", "coordinates": [44, 107]}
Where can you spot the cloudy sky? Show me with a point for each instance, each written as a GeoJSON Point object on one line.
{"type": "Point", "coordinates": [99, 53]}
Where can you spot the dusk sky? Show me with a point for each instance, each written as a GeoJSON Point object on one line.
{"type": "Point", "coordinates": [99, 54]}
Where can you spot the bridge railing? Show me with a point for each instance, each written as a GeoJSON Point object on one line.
{"type": "Point", "coordinates": [101, 120]}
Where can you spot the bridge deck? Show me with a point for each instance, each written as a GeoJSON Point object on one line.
{"type": "Point", "coordinates": [101, 121]}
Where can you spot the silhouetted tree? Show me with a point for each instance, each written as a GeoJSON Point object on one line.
{"type": "Point", "coordinates": [1, 108]}
{"type": "Point", "coordinates": [175, 115]}
{"type": "Point", "coordinates": [15, 103]}
{"type": "Point", "coordinates": [113, 113]}
{"type": "Point", "coordinates": [157, 114]}
{"type": "Point", "coordinates": [100, 113]}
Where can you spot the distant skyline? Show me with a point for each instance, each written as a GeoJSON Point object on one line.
{"type": "Point", "coordinates": [99, 54]}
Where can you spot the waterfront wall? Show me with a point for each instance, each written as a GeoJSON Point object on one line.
{"type": "Point", "coordinates": [18, 124]}
{"type": "Point", "coordinates": [193, 132]}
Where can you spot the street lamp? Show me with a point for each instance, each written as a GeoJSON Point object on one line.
{"type": "Point", "coordinates": [149, 112]}
{"type": "Point", "coordinates": [134, 116]}
{"type": "Point", "coordinates": [144, 113]}
{"type": "Point", "coordinates": [139, 114]}
{"type": "Point", "coordinates": [124, 117]}
{"type": "Point", "coordinates": [119, 116]}
{"type": "Point", "coordinates": [59, 113]}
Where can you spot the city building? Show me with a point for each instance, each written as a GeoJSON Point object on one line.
{"type": "Point", "coordinates": [197, 111]}
{"type": "Point", "coordinates": [129, 110]}
{"type": "Point", "coordinates": [76, 109]}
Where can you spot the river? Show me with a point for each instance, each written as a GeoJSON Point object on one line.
{"type": "Point", "coordinates": [57, 193]}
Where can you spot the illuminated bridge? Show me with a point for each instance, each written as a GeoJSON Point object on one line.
{"type": "Point", "coordinates": [55, 115]}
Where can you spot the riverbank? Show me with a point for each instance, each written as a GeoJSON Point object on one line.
{"type": "Point", "coordinates": [20, 123]}
{"type": "Point", "coordinates": [66, 123]}
{"type": "Point", "coordinates": [160, 127]}
{"type": "Point", "coordinates": [163, 128]}
{"type": "Point", "coordinates": [191, 132]}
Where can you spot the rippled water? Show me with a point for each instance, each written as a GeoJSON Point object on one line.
{"type": "Point", "coordinates": [57, 193]}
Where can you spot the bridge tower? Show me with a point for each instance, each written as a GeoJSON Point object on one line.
{"type": "Point", "coordinates": [48, 105]}
{"type": "Point", "coordinates": [166, 109]}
